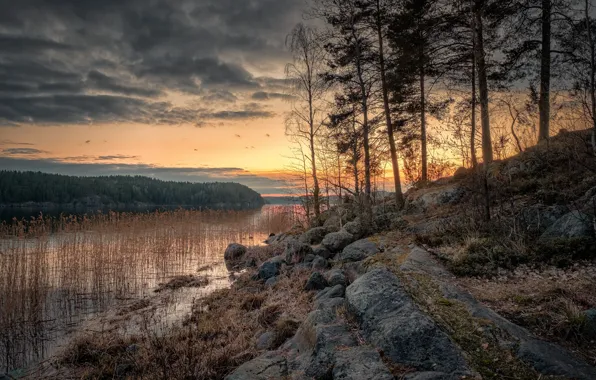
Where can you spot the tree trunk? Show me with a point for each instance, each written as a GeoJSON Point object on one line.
{"type": "Point", "coordinates": [487, 149]}
{"type": "Point", "coordinates": [423, 120]}
{"type": "Point", "coordinates": [316, 190]}
{"type": "Point", "coordinates": [473, 127]}
{"type": "Point", "coordinates": [592, 73]}
{"type": "Point", "coordinates": [544, 101]}
{"type": "Point", "coordinates": [399, 197]}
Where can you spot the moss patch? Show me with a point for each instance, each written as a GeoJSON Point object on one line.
{"type": "Point", "coordinates": [480, 339]}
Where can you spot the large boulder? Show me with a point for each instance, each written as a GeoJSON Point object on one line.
{"type": "Point", "coordinates": [336, 277]}
{"type": "Point", "coordinates": [316, 281]}
{"type": "Point", "coordinates": [574, 224]}
{"type": "Point", "coordinates": [332, 224]}
{"type": "Point", "coordinates": [267, 366]}
{"type": "Point", "coordinates": [319, 263]}
{"type": "Point", "coordinates": [430, 197]}
{"type": "Point", "coordinates": [358, 250]}
{"type": "Point", "coordinates": [322, 251]}
{"type": "Point", "coordinates": [537, 218]}
{"type": "Point", "coordinates": [336, 241]}
{"type": "Point", "coordinates": [355, 228]}
{"type": "Point", "coordinates": [313, 236]}
{"type": "Point", "coordinates": [296, 252]}
{"type": "Point", "coordinates": [388, 221]}
{"type": "Point", "coordinates": [269, 269]}
{"type": "Point", "coordinates": [234, 251]}
{"type": "Point", "coordinates": [391, 321]}
{"type": "Point", "coordinates": [357, 363]}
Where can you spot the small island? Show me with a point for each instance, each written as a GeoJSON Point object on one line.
{"type": "Point", "coordinates": [36, 190]}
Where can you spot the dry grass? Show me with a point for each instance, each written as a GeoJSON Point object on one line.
{"type": "Point", "coordinates": [56, 272]}
{"type": "Point", "coordinates": [183, 281]}
{"type": "Point", "coordinates": [550, 302]}
{"type": "Point", "coordinates": [218, 336]}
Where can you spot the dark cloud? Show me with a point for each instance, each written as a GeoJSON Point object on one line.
{"type": "Point", "coordinates": [14, 143]}
{"type": "Point", "coordinates": [100, 81]}
{"type": "Point", "coordinates": [262, 95]}
{"type": "Point", "coordinates": [22, 151]}
{"type": "Point", "coordinates": [80, 61]}
{"type": "Point", "coordinates": [116, 157]}
{"type": "Point", "coordinates": [235, 115]}
{"type": "Point", "coordinates": [261, 184]}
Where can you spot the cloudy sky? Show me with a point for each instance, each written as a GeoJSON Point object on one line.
{"type": "Point", "coordinates": [176, 89]}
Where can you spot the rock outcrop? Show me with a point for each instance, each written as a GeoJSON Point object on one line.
{"type": "Point", "coordinates": [390, 320]}
{"type": "Point", "coordinates": [574, 224]}
{"type": "Point", "coordinates": [313, 236]}
{"type": "Point", "coordinates": [358, 250]}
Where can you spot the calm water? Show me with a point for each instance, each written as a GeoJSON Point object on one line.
{"type": "Point", "coordinates": [53, 285]}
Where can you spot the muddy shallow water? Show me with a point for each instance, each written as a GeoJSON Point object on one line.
{"type": "Point", "coordinates": [55, 286]}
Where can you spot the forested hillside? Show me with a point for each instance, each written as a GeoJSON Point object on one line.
{"type": "Point", "coordinates": [22, 187]}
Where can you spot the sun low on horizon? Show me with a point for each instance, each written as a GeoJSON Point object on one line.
{"type": "Point", "coordinates": [175, 90]}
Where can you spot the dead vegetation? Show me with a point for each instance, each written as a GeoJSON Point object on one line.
{"type": "Point", "coordinates": [549, 302]}
{"type": "Point", "coordinates": [188, 281]}
{"type": "Point", "coordinates": [219, 335]}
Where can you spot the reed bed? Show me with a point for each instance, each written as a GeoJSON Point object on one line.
{"type": "Point", "coordinates": [57, 272]}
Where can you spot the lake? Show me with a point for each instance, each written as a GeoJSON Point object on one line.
{"type": "Point", "coordinates": [59, 276]}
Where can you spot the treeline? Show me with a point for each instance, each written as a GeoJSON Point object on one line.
{"type": "Point", "coordinates": [420, 87]}
{"type": "Point", "coordinates": [22, 187]}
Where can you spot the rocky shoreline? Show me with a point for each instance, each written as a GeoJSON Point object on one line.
{"type": "Point", "coordinates": [385, 308]}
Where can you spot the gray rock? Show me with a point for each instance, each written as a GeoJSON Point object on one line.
{"type": "Point", "coordinates": [268, 269]}
{"type": "Point", "coordinates": [296, 252]}
{"type": "Point", "coordinates": [590, 322]}
{"type": "Point", "coordinates": [433, 197]}
{"type": "Point", "coordinates": [316, 281]}
{"type": "Point", "coordinates": [331, 297]}
{"type": "Point", "coordinates": [234, 251]}
{"type": "Point", "coordinates": [355, 228]}
{"type": "Point", "coordinates": [322, 251]}
{"type": "Point", "coordinates": [574, 224]}
{"type": "Point", "coordinates": [265, 340]}
{"type": "Point", "coordinates": [265, 367]}
{"type": "Point", "coordinates": [537, 218]}
{"type": "Point", "coordinates": [319, 263]}
{"type": "Point", "coordinates": [391, 321]}
{"type": "Point", "coordinates": [314, 235]}
{"type": "Point", "coordinates": [271, 281]}
{"type": "Point", "coordinates": [358, 250]}
{"type": "Point", "coordinates": [309, 258]}
{"type": "Point", "coordinates": [336, 277]}
{"type": "Point", "coordinates": [331, 292]}
{"type": "Point", "coordinates": [357, 363]}
{"type": "Point", "coordinates": [431, 376]}
{"type": "Point", "coordinates": [279, 238]}
{"type": "Point", "coordinates": [550, 359]}
{"type": "Point", "coordinates": [331, 303]}
{"type": "Point", "coordinates": [332, 224]}
{"type": "Point", "coordinates": [318, 338]}
{"type": "Point", "coordinates": [336, 241]}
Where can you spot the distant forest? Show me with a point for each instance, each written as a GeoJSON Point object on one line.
{"type": "Point", "coordinates": [41, 188]}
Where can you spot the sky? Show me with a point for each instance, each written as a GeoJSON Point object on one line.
{"type": "Point", "coordinates": [189, 90]}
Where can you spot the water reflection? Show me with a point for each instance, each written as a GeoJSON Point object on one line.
{"type": "Point", "coordinates": [52, 284]}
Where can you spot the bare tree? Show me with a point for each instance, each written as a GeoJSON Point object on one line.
{"type": "Point", "coordinates": [308, 90]}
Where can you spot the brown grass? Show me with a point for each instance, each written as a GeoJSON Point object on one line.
{"type": "Point", "coordinates": [183, 281]}
{"type": "Point", "coordinates": [550, 302]}
{"type": "Point", "coordinates": [218, 336]}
